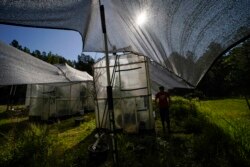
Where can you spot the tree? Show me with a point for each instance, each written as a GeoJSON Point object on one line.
{"type": "Point", "coordinates": [37, 54]}
{"type": "Point", "coordinates": [85, 63]}
{"type": "Point", "coordinates": [229, 76]}
{"type": "Point", "coordinates": [26, 50]}
{"type": "Point", "coordinates": [213, 83]}
{"type": "Point", "coordinates": [239, 64]}
{"type": "Point", "coordinates": [184, 66]}
{"type": "Point", "coordinates": [15, 44]}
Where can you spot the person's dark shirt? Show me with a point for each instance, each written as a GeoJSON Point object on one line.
{"type": "Point", "coordinates": [163, 99]}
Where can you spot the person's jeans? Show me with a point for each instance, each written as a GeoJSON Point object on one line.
{"type": "Point", "coordinates": [164, 113]}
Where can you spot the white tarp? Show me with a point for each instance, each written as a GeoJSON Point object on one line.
{"type": "Point", "coordinates": [18, 67]}
{"type": "Point", "coordinates": [177, 34]}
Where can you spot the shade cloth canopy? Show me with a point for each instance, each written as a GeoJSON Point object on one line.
{"type": "Point", "coordinates": [18, 67]}
{"type": "Point", "coordinates": [184, 36]}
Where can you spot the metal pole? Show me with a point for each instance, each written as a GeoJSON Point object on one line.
{"type": "Point", "coordinates": [109, 90]}
{"type": "Point", "coordinates": [150, 107]}
{"type": "Point", "coordinates": [9, 98]}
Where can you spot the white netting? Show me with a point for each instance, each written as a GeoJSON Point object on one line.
{"type": "Point", "coordinates": [18, 67]}
{"type": "Point", "coordinates": [177, 33]}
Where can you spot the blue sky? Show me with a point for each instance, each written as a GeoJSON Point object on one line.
{"type": "Point", "coordinates": [65, 43]}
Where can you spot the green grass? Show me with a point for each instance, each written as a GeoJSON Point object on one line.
{"type": "Point", "coordinates": [229, 108]}
{"type": "Point", "coordinates": [2, 108]}
{"type": "Point", "coordinates": [210, 133]}
{"type": "Point", "coordinates": [69, 135]}
{"type": "Point", "coordinates": [23, 143]}
{"type": "Point", "coordinates": [232, 115]}
{"type": "Point", "coordinates": [197, 140]}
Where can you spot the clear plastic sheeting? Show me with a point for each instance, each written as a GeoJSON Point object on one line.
{"type": "Point", "coordinates": [18, 67]}
{"type": "Point", "coordinates": [161, 76]}
{"type": "Point", "coordinates": [131, 93]}
{"type": "Point", "coordinates": [73, 74]}
{"type": "Point", "coordinates": [184, 36]}
{"type": "Point", "coordinates": [51, 101]}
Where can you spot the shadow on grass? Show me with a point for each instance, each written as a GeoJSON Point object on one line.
{"type": "Point", "coordinates": [79, 154]}
{"type": "Point", "coordinates": [202, 142]}
{"type": "Point", "coordinates": [13, 114]}
{"type": "Point", "coordinates": [21, 123]}
{"type": "Point", "coordinates": [196, 142]}
{"type": "Point", "coordinates": [4, 115]}
{"type": "Point", "coordinates": [133, 150]}
{"type": "Point", "coordinates": [16, 124]}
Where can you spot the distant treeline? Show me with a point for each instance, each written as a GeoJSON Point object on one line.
{"type": "Point", "coordinates": [83, 63]}
{"type": "Point", "coordinates": [230, 75]}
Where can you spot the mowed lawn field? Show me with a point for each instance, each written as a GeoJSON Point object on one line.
{"type": "Point", "coordinates": [232, 115]}
{"type": "Point", "coordinates": [230, 109]}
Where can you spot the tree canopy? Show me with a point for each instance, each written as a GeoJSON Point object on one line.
{"type": "Point", "coordinates": [83, 63]}
{"type": "Point", "coordinates": [229, 76]}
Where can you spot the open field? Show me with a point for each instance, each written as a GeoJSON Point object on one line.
{"type": "Point", "coordinates": [204, 134]}
{"type": "Point", "coordinates": [231, 115]}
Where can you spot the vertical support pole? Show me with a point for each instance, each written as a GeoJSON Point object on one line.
{"type": "Point", "coordinates": [31, 87]}
{"type": "Point", "coordinates": [12, 97]}
{"type": "Point", "coordinates": [70, 109]}
{"type": "Point", "coordinates": [9, 98]}
{"type": "Point", "coordinates": [150, 107]}
{"type": "Point", "coordinates": [41, 114]}
{"type": "Point", "coordinates": [109, 90]}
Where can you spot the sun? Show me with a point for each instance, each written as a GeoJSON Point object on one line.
{"type": "Point", "coordinates": [141, 18]}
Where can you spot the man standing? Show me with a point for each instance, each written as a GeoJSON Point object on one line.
{"type": "Point", "coordinates": [162, 99]}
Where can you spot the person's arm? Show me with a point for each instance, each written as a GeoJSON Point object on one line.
{"type": "Point", "coordinates": [156, 99]}
{"type": "Point", "coordinates": [169, 100]}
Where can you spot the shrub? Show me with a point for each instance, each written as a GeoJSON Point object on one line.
{"type": "Point", "coordinates": [193, 125]}
{"type": "Point", "coordinates": [181, 109]}
{"type": "Point", "coordinates": [32, 148]}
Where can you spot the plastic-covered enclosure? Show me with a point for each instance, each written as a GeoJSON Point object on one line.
{"type": "Point", "coordinates": [53, 90]}
{"type": "Point", "coordinates": [48, 101]}
{"type": "Point", "coordinates": [131, 93]}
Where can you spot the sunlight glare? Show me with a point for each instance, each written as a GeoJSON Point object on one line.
{"type": "Point", "coordinates": [141, 18]}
